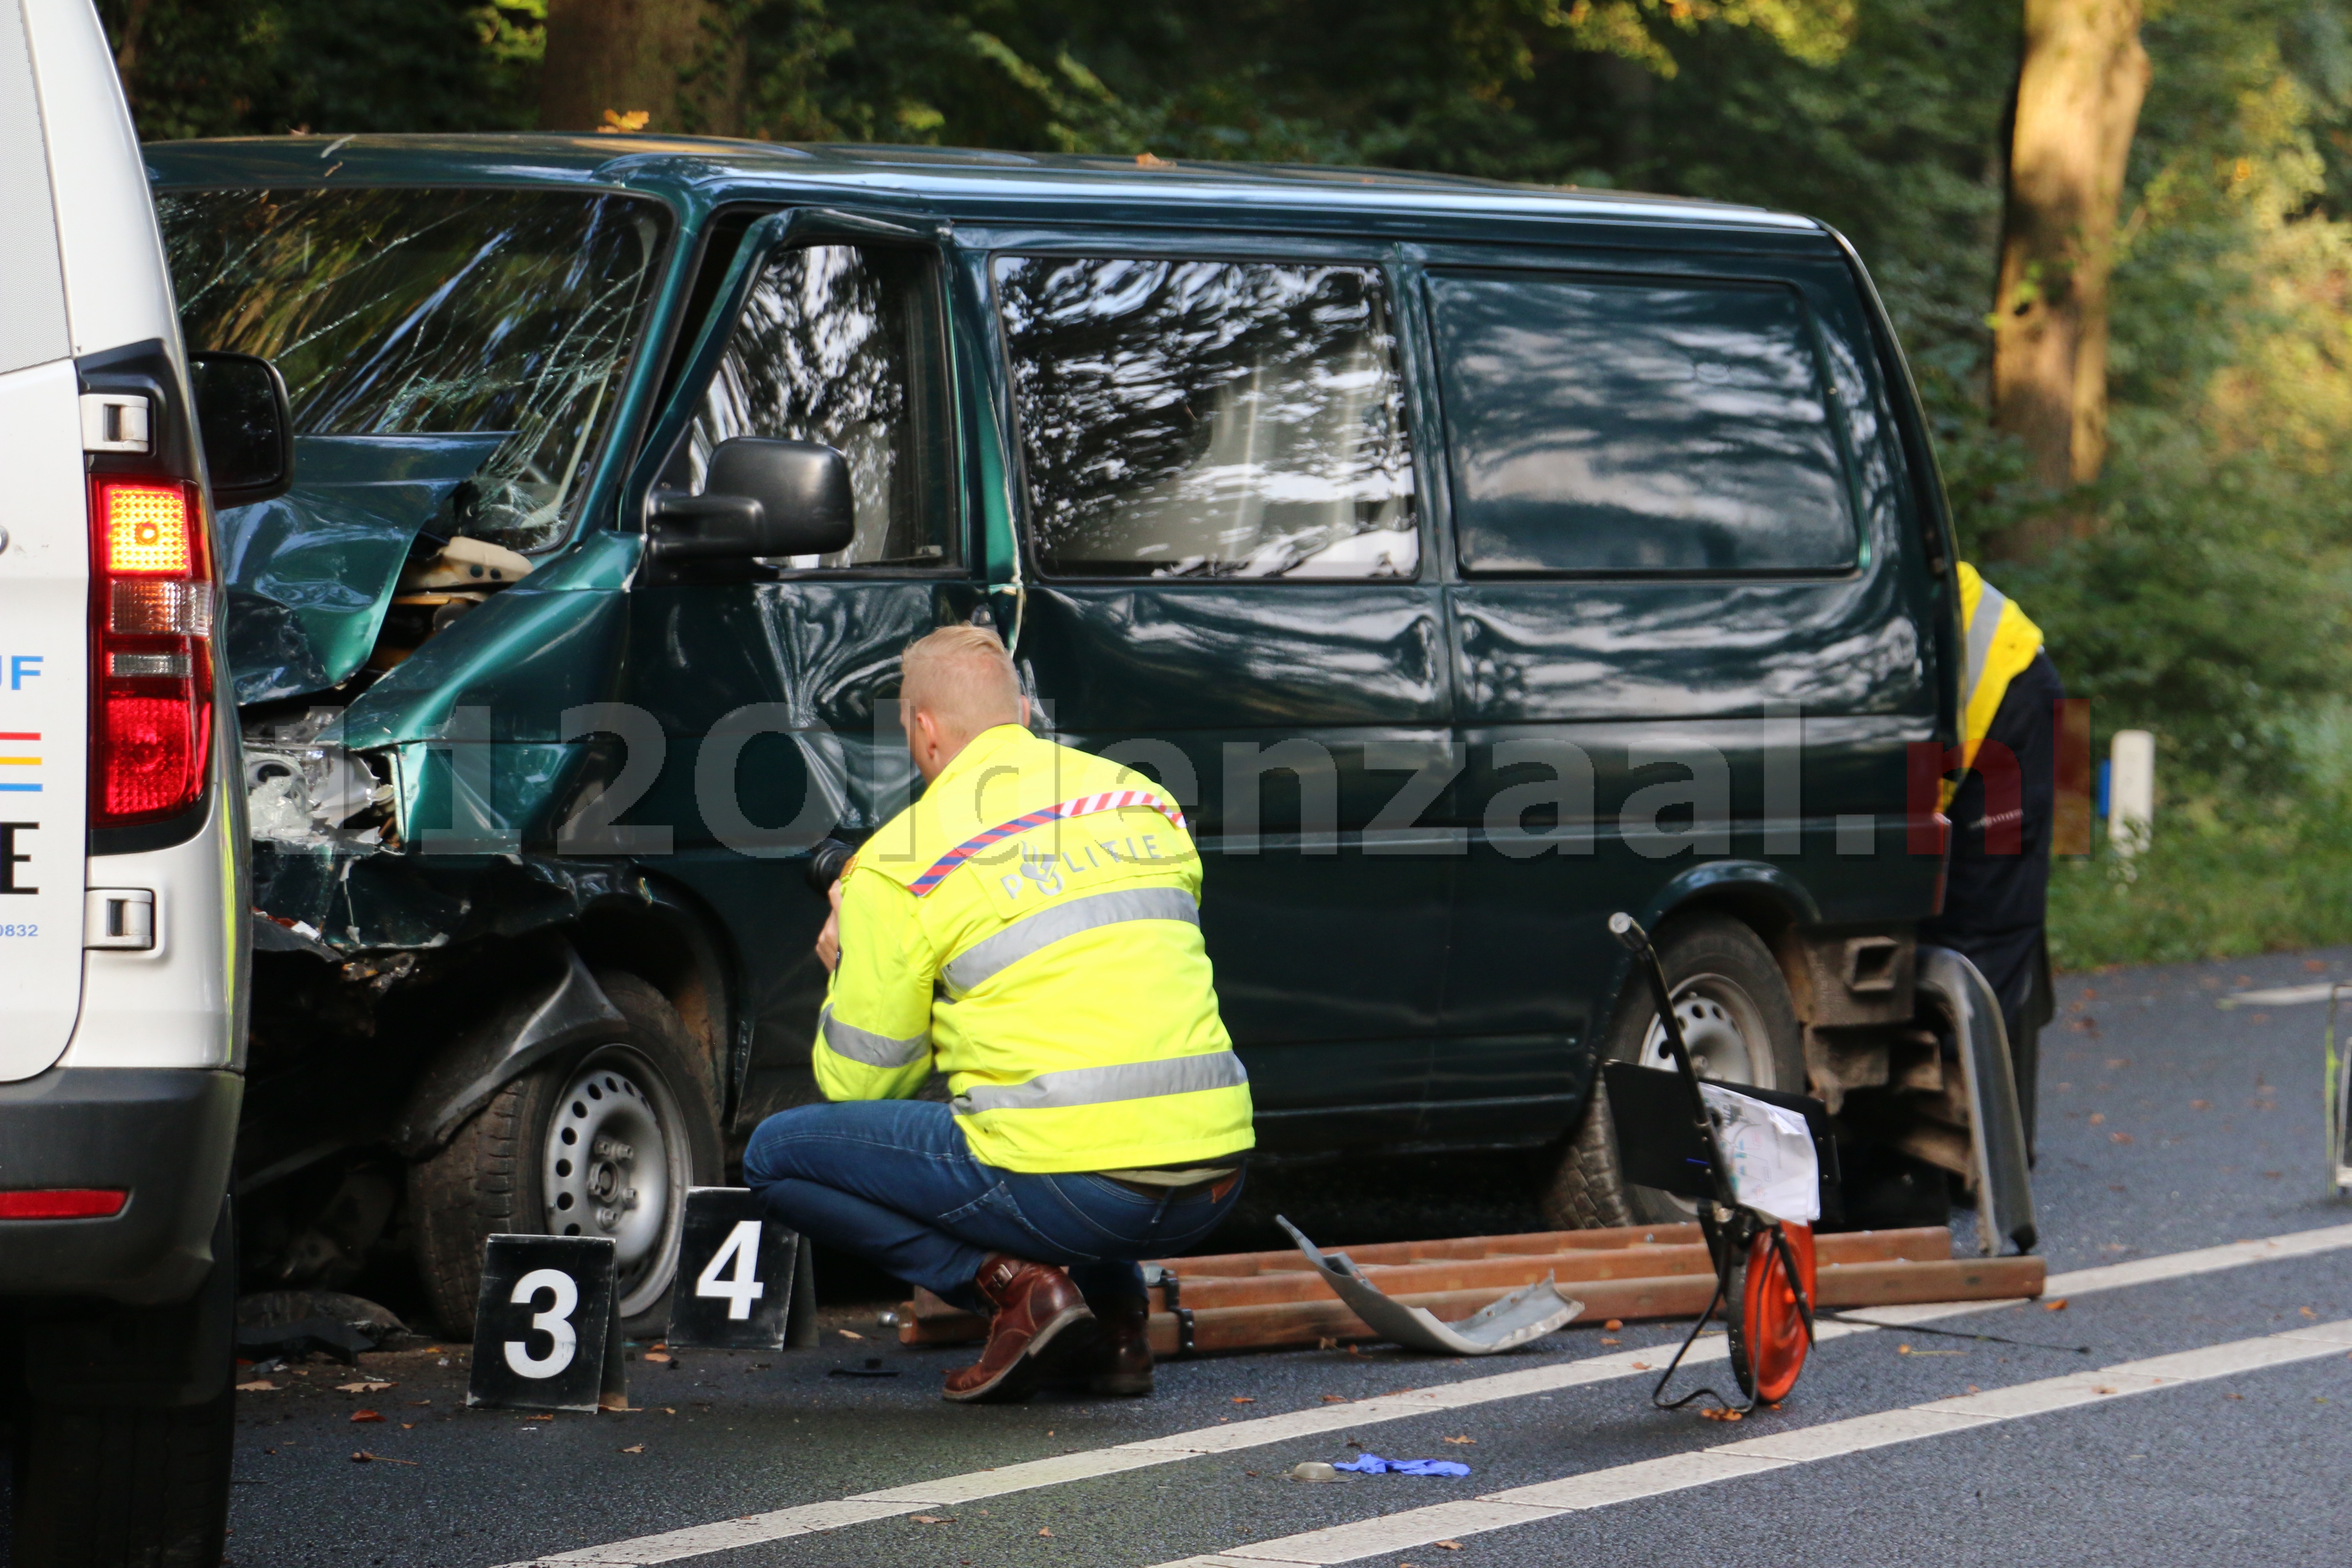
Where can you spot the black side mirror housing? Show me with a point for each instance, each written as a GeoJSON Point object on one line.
{"type": "Point", "coordinates": [761, 498]}
{"type": "Point", "coordinates": [246, 424]}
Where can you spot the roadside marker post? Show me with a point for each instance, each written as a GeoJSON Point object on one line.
{"type": "Point", "coordinates": [737, 1274]}
{"type": "Point", "coordinates": [547, 1334]}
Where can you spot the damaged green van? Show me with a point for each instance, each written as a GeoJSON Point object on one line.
{"type": "Point", "coordinates": [1468, 559]}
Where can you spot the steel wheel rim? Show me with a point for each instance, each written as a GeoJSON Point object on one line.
{"type": "Point", "coordinates": [1723, 1028]}
{"type": "Point", "coordinates": [614, 1164]}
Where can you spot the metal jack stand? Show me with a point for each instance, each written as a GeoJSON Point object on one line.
{"type": "Point", "coordinates": [1764, 1268]}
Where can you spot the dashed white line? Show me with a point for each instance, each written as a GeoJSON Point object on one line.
{"type": "Point", "coordinates": [808, 1518]}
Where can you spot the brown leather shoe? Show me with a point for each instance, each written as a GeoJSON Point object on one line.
{"type": "Point", "coordinates": [1119, 1362]}
{"type": "Point", "coordinates": [1035, 1304]}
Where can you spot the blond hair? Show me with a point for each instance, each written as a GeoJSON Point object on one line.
{"type": "Point", "coordinates": [963, 678]}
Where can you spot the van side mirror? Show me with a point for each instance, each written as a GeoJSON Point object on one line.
{"type": "Point", "coordinates": [247, 426]}
{"type": "Point", "coordinates": [761, 498]}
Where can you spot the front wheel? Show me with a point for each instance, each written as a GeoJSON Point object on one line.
{"type": "Point", "coordinates": [604, 1144]}
{"type": "Point", "coordinates": [1740, 1027]}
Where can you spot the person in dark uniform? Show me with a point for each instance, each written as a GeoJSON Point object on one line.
{"type": "Point", "coordinates": [2004, 810]}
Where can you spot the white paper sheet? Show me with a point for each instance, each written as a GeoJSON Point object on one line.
{"type": "Point", "coordinates": [1774, 1169]}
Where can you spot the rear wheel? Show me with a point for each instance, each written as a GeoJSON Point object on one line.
{"type": "Point", "coordinates": [1740, 1027]}
{"type": "Point", "coordinates": [136, 1487]}
{"type": "Point", "coordinates": [604, 1144]}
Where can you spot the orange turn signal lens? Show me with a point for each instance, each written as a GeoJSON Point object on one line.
{"type": "Point", "coordinates": [146, 528]}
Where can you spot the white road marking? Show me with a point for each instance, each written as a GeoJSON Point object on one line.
{"type": "Point", "coordinates": [1519, 1506]}
{"type": "Point", "coordinates": [2280, 996]}
{"type": "Point", "coordinates": [807, 1519]}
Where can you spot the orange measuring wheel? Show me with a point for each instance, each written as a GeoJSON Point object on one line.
{"type": "Point", "coordinates": [1768, 1335]}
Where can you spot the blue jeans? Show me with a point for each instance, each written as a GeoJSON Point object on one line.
{"type": "Point", "coordinates": [893, 1181]}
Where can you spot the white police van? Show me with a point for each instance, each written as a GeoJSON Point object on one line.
{"type": "Point", "coordinates": [122, 882]}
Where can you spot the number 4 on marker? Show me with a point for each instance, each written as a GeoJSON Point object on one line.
{"type": "Point", "coordinates": [742, 1247]}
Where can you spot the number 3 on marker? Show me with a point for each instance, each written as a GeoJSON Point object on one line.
{"type": "Point", "coordinates": [742, 1248]}
{"type": "Point", "coordinates": [555, 1323]}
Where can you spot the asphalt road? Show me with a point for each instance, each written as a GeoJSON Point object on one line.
{"type": "Point", "coordinates": [2169, 1124]}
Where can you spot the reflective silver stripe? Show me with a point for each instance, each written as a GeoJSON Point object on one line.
{"type": "Point", "coordinates": [992, 955]}
{"type": "Point", "coordinates": [1981, 627]}
{"type": "Point", "coordinates": [1101, 1086]}
{"type": "Point", "coordinates": [865, 1045]}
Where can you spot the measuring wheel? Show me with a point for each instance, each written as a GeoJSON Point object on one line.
{"type": "Point", "coordinates": [1769, 1333]}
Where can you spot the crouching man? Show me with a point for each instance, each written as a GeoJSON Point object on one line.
{"type": "Point", "coordinates": [1031, 926]}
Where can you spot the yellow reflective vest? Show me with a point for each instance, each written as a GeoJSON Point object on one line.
{"type": "Point", "coordinates": [2000, 643]}
{"type": "Point", "coordinates": [1032, 925]}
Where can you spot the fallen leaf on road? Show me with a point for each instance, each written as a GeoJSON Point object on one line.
{"type": "Point", "coordinates": [259, 1385]}
{"type": "Point", "coordinates": [656, 1356]}
{"type": "Point", "coordinates": [1613, 1324]}
{"type": "Point", "coordinates": [2201, 1105]}
{"type": "Point", "coordinates": [1607, 1341]}
{"type": "Point", "coordinates": [363, 1387]}
{"type": "Point", "coordinates": [1902, 1350]}
{"type": "Point", "coordinates": [408, 1425]}
{"type": "Point", "coordinates": [1457, 1439]}
{"type": "Point", "coordinates": [634, 1448]}
{"type": "Point", "coordinates": [2306, 1311]}
{"type": "Point", "coordinates": [2119, 1137]}
{"type": "Point", "coordinates": [934, 1519]}
{"type": "Point", "coordinates": [1641, 1366]}
{"type": "Point", "coordinates": [1327, 1343]}
{"type": "Point", "coordinates": [1722, 1414]}
{"type": "Point", "coordinates": [1238, 1399]}
{"type": "Point", "coordinates": [1045, 1532]}
{"type": "Point", "coordinates": [2097, 1117]}
{"type": "Point", "coordinates": [1335, 1399]}
{"type": "Point", "coordinates": [2102, 1388]}
{"type": "Point", "coordinates": [366, 1416]}
{"type": "Point", "coordinates": [2233, 1396]}
{"type": "Point", "coordinates": [363, 1457]}
{"type": "Point", "coordinates": [2057, 1306]}
{"type": "Point", "coordinates": [1447, 1546]}
{"type": "Point", "coordinates": [538, 1417]}
{"type": "Point", "coordinates": [850, 1333]}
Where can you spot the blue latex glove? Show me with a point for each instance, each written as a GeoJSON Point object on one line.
{"type": "Point", "coordinates": [1374, 1465]}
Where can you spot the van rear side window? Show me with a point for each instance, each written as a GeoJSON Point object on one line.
{"type": "Point", "coordinates": [1638, 428]}
{"type": "Point", "coordinates": [1186, 418]}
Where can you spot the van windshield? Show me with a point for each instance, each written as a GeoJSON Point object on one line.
{"type": "Point", "coordinates": [395, 312]}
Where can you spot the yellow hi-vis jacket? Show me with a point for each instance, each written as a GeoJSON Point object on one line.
{"type": "Point", "coordinates": [2001, 642]}
{"type": "Point", "coordinates": [1033, 924]}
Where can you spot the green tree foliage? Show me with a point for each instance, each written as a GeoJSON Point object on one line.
{"type": "Point", "coordinates": [225, 67]}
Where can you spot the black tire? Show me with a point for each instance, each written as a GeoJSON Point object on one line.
{"type": "Point", "coordinates": [134, 1487]}
{"type": "Point", "coordinates": [499, 1174]}
{"type": "Point", "coordinates": [1726, 988]}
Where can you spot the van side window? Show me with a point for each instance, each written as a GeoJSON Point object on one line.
{"type": "Point", "coordinates": [843, 344]}
{"type": "Point", "coordinates": [1186, 419]}
{"type": "Point", "coordinates": [1638, 428]}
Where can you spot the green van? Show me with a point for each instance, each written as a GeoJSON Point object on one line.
{"type": "Point", "coordinates": [1469, 560]}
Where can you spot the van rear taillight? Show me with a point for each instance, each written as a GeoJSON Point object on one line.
{"type": "Point", "coordinates": [150, 623]}
{"type": "Point", "coordinates": [63, 1203]}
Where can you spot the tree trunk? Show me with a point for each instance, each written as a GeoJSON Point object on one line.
{"type": "Point", "coordinates": [673, 61]}
{"type": "Point", "coordinates": [2081, 78]}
